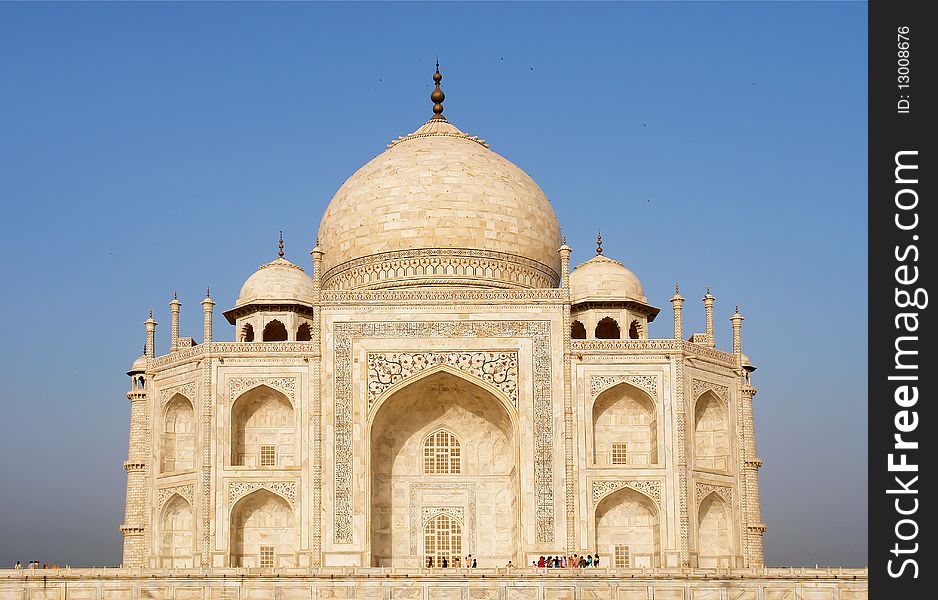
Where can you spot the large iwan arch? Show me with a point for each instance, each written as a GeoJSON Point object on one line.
{"type": "Point", "coordinates": [481, 496]}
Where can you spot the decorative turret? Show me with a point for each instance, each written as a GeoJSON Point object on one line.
{"type": "Point", "coordinates": [174, 307]}
{"type": "Point", "coordinates": [151, 324]}
{"type": "Point", "coordinates": [677, 302]}
{"type": "Point", "coordinates": [208, 305]}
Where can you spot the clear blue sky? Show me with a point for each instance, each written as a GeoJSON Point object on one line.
{"type": "Point", "coordinates": [153, 147]}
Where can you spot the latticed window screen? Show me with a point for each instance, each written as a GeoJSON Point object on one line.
{"type": "Point", "coordinates": [622, 557]}
{"type": "Point", "coordinates": [620, 454]}
{"type": "Point", "coordinates": [267, 557]}
{"type": "Point", "coordinates": [268, 456]}
{"type": "Point", "coordinates": [442, 539]}
{"type": "Point", "coordinates": [441, 453]}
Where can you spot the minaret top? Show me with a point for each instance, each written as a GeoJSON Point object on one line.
{"type": "Point", "coordinates": [437, 96]}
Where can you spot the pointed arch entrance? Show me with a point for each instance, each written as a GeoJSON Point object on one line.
{"type": "Point", "coordinates": [443, 459]}
{"type": "Point", "coordinates": [627, 527]}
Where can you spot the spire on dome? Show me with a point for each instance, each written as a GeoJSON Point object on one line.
{"type": "Point", "coordinates": [599, 243]}
{"type": "Point", "coordinates": [437, 96]}
{"type": "Point", "coordinates": [281, 244]}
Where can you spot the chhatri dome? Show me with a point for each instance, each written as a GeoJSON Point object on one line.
{"type": "Point", "coordinates": [604, 279]}
{"type": "Point", "coordinates": [439, 207]}
{"type": "Point", "coordinates": [277, 282]}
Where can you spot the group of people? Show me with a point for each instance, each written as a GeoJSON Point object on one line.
{"type": "Point", "coordinates": [457, 563]}
{"type": "Point", "coordinates": [34, 564]}
{"type": "Point", "coordinates": [566, 562]}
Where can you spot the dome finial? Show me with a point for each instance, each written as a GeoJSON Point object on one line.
{"type": "Point", "coordinates": [281, 245]}
{"type": "Point", "coordinates": [437, 96]}
{"type": "Point", "coordinates": [599, 242]}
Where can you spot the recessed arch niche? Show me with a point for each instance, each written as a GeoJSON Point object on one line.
{"type": "Point", "coordinates": [628, 518]}
{"type": "Point", "coordinates": [487, 481]}
{"type": "Point", "coordinates": [262, 416]}
{"type": "Point", "coordinates": [177, 534]}
{"type": "Point", "coordinates": [711, 433]}
{"type": "Point", "coordinates": [624, 414]}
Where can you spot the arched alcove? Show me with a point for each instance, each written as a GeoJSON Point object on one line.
{"type": "Point", "coordinates": [177, 534]}
{"type": "Point", "coordinates": [577, 331]}
{"type": "Point", "coordinates": [454, 414]}
{"type": "Point", "coordinates": [275, 331]}
{"type": "Point", "coordinates": [177, 438]}
{"type": "Point", "coordinates": [714, 533]}
{"type": "Point", "coordinates": [625, 427]}
{"type": "Point", "coordinates": [263, 431]}
{"type": "Point", "coordinates": [263, 531]}
{"type": "Point", "coordinates": [304, 333]}
{"type": "Point", "coordinates": [628, 519]}
{"type": "Point", "coordinates": [607, 329]}
{"type": "Point", "coordinates": [247, 333]}
{"type": "Point", "coordinates": [711, 433]}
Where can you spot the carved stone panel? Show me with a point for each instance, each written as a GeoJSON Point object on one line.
{"type": "Point", "coordinates": [499, 368]}
{"type": "Point", "coordinates": [602, 488]}
{"type": "Point", "coordinates": [239, 489]}
{"type": "Point", "coordinates": [600, 383]}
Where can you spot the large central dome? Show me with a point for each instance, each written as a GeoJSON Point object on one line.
{"type": "Point", "coordinates": [439, 208]}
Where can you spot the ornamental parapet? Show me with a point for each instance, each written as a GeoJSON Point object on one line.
{"type": "Point", "coordinates": [748, 390]}
{"type": "Point", "coordinates": [136, 395]}
{"type": "Point", "coordinates": [134, 465]}
{"type": "Point", "coordinates": [758, 528]}
{"type": "Point", "coordinates": [670, 346]}
{"type": "Point", "coordinates": [753, 463]}
{"type": "Point", "coordinates": [227, 349]}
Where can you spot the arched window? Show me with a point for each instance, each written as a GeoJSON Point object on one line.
{"type": "Point", "coordinates": [247, 333]}
{"type": "Point", "coordinates": [577, 331]}
{"type": "Point", "coordinates": [607, 329]}
{"type": "Point", "coordinates": [442, 539]}
{"type": "Point", "coordinates": [635, 331]}
{"type": "Point", "coordinates": [441, 453]}
{"type": "Point", "coordinates": [304, 333]}
{"type": "Point", "coordinates": [275, 332]}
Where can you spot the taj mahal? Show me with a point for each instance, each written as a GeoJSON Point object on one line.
{"type": "Point", "coordinates": [439, 380]}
